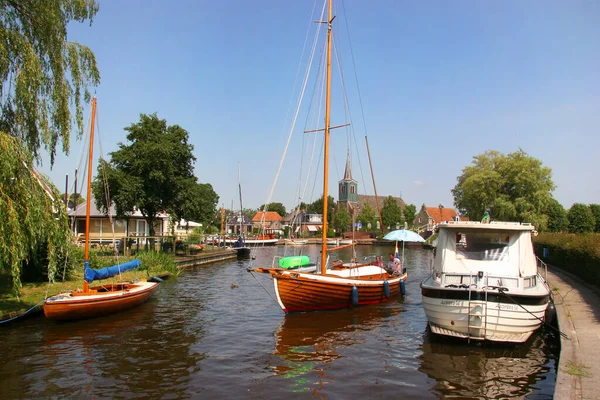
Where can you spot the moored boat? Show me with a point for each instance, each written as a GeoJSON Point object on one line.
{"type": "Point", "coordinates": [342, 285]}
{"type": "Point", "coordinates": [100, 300]}
{"type": "Point", "coordinates": [485, 283]}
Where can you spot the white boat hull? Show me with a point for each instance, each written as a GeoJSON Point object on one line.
{"type": "Point", "coordinates": [499, 319]}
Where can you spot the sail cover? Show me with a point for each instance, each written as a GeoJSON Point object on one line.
{"type": "Point", "coordinates": [91, 275]}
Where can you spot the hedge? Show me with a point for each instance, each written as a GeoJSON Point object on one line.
{"type": "Point", "coordinates": [576, 253]}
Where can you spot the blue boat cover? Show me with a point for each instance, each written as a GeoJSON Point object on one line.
{"type": "Point", "coordinates": [91, 275]}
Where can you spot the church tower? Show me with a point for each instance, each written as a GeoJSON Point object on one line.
{"type": "Point", "coordinates": [348, 187]}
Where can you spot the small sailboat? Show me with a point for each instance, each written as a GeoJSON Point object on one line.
{"type": "Point", "coordinates": [103, 299]}
{"type": "Point", "coordinates": [344, 284]}
{"type": "Point", "coordinates": [240, 245]}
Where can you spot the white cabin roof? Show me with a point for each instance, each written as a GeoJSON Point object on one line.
{"type": "Point", "coordinates": [492, 226]}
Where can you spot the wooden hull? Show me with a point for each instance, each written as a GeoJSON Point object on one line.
{"type": "Point", "coordinates": [102, 300]}
{"type": "Point", "coordinates": [298, 292]}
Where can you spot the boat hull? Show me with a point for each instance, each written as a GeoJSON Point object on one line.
{"type": "Point", "coordinates": [499, 319]}
{"type": "Point", "coordinates": [299, 292]}
{"type": "Point", "coordinates": [107, 299]}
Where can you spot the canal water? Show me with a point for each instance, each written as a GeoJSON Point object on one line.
{"type": "Point", "coordinates": [216, 332]}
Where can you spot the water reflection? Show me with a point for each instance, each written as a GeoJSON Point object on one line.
{"type": "Point", "coordinates": [491, 371]}
{"type": "Point", "coordinates": [305, 342]}
{"type": "Point", "coordinates": [105, 356]}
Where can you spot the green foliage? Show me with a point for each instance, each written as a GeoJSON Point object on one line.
{"type": "Point", "coordinates": [581, 219]}
{"type": "Point", "coordinates": [595, 208]}
{"type": "Point", "coordinates": [513, 187]}
{"type": "Point", "coordinates": [154, 262]}
{"type": "Point", "coordinates": [367, 216]}
{"type": "Point", "coordinates": [578, 254]}
{"type": "Point", "coordinates": [391, 213]}
{"type": "Point", "coordinates": [199, 203]}
{"type": "Point", "coordinates": [342, 220]}
{"type": "Point", "coordinates": [276, 207]}
{"type": "Point", "coordinates": [410, 212]}
{"type": "Point", "coordinates": [154, 173]}
{"type": "Point", "coordinates": [34, 227]}
{"type": "Point", "coordinates": [557, 216]}
{"type": "Point", "coordinates": [42, 73]}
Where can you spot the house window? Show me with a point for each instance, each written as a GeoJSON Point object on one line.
{"type": "Point", "coordinates": [343, 189]}
{"type": "Point", "coordinates": [351, 189]}
{"type": "Point", "coordinates": [419, 219]}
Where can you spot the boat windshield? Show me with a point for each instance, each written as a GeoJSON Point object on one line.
{"type": "Point", "coordinates": [482, 246]}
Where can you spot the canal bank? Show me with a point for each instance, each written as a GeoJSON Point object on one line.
{"type": "Point", "coordinates": [578, 310]}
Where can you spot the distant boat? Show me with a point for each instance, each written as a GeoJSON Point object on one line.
{"type": "Point", "coordinates": [106, 298]}
{"type": "Point", "coordinates": [240, 245]}
{"type": "Point", "coordinates": [295, 242]}
{"type": "Point", "coordinates": [342, 285]}
{"type": "Point", "coordinates": [485, 283]}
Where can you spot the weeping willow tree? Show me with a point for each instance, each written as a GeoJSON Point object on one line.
{"type": "Point", "coordinates": [33, 220]}
{"type": "Point", "coordinates": [43, 76]}
{"type": "Point", "coordinates": [44, 81]}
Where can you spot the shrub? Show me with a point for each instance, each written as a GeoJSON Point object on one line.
{"type": "Point", "coordinates": [578, 254]}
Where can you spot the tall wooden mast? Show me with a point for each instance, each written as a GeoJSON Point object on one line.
{"type": "Point", "coordinates": [326, 149]}
{"type": "Point", "coordinates": [86, 253]}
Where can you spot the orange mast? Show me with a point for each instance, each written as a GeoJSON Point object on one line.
{"type": "Point", "coordinates": [89, 197]}
{"type": "Point", "coordinates": [326, 150]}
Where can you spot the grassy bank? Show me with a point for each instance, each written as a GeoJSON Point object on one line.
{"type": "Point", "coordinates": [34, 292]}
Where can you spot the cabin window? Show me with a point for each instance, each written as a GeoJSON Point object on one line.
{"type": "Point", "coordinates": [482, 246]}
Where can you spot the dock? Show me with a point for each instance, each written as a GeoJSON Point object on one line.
{"type": "Point", "coordinates": [205, 258]}
{"type": "Point", "coordinates": [578, 310]}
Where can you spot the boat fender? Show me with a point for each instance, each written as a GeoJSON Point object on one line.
{"type": "Point", "coordinates": [386, 289]}
{"type": "Point", "coordinates": [155, 279]}
{"type": "Point", "coordinates": [550, 313]}
{"type": "Point", "coordinates": [354, 295]}
{"type": "Point", "coordinates": [402, 288]}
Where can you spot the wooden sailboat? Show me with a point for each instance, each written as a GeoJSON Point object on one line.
{"type": "Point", "coordinates": [98, 300]}
{"type": "Point", "coordinates": [342, 285]}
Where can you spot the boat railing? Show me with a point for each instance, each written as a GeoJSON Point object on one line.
{"type": "Point", "coordinates": [541, 264]}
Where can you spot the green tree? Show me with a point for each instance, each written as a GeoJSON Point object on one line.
{"type": "Point", "coordinates": [277, 207]}
{"type": "Point", "coordinates": [557, 216]}
{"type": "Point", "coordinates": [153, 173]}
{"type": "Point", "coordinates": [410, 212]}
{"type": "Point", "coordinates": [596, 212]}
{"type": "Point", "coordinates": [34, 226]}
{"type": "Point", "coordinates": [199, 203]}
{"type": "Point", "coordinates": [581, 219]}
{"type": "Point", "coordinates": [391, 213]}
{"type": "Point", "coordinates": [342, 220]}
{"type": "Point", "coordinates": [367, 216]}
{"type": "Point", "coordinates": [42, 73]}
{"type": "Point", "coordinates": [512, 187]}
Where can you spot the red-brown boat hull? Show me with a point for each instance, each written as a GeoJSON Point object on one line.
{"type": "Point", "coordinates": [297, 292]}
{"type": "Point", "coordinates": [108, 300]}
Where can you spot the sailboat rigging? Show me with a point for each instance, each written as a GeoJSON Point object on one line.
{"type": "Point", "coordinates": [240, 245]}
{"type": "Point", "coordinates": [104, 299]}
{"type": "Point", "coordinates": [342, 285]}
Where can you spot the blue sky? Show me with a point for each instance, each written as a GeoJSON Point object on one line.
{"type": "Point", "coordinates": [440, 82]}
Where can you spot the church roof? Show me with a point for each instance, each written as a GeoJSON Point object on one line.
{"type": "Point", "coordinates": [348, 171]}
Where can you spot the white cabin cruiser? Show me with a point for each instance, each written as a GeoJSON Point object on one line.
{"type": "Point", "coordinates": [485, 283]}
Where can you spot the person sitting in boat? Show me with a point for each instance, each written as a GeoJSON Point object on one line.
{"type": "Point", "coordinates": [378, 262]}
{"type": "Point", "coordinates": [393, 264]}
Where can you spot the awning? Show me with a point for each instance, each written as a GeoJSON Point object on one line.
{"type": "Point", "coordinates": [313, 228]}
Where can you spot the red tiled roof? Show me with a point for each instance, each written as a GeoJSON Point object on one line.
{"type": "Point", "coordinates": [448, 214]}
{"type": "Point", "coordinates": [269, 216]}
